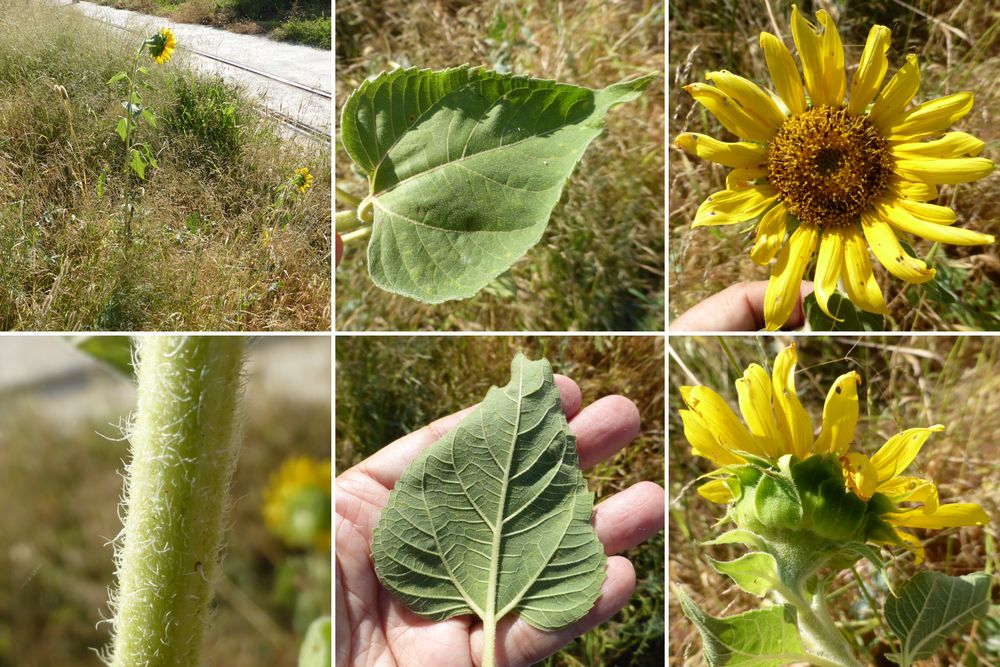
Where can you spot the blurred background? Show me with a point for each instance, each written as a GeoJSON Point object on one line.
{"type": "Point", "coordinates": [62, 454]}
{"type": "Point", "coordinates": [599, 265]}
{"type": "Point", "coordinates": [390, 386]}
{"type": "Point", "coordinates": [907, 382]}
{"type": "Point", "coordinates": [958, 47]}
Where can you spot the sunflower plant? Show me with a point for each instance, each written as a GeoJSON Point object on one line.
{"type": "Point", "coordinates": [138, 156]}
{"type": "Point", "coordinates": [808, 506]}
{"type": "Point", "coordinates": [832, 170]}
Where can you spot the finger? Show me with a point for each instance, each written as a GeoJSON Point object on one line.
{"type": "Point", "coordinates": [519, 644]}
{"type": "Point", "coordinates": [604, 427]}
{"type": "Point", "coordinates": [387, 464]}
{"type": "Point", "coordinates": [739, 307]}
{"type": "Point", "coordinates": [630, 517]}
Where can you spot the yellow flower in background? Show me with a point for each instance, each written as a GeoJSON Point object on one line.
{"type": "Point", "coordinates": [162, 45]}
{"type": "Point", "coordinates": [777, 432]}
{"type": "Point", "coordinates": [297, 503]}
{"type": "Point", "coordinates": [852, 170]}
{"type": "Point", "coordinates": [302, 179]}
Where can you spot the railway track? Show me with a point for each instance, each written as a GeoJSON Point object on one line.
{"type": "Point", "coordinates": [296, 125]}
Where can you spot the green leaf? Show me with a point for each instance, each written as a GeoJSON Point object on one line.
{"type": "Point", "coordinates": [930, 607]}
{"type": "Point", "coordinates": [138, 163]}
{"type": "Point", "coordinates": [854, 319]}
{"type": "Point", "coordinates": [122, 128]}
{"type": "Point", "coordinates": [102, 180]}
{"type": "Point", "coordinates": [755, 572]}
{"type": "Point", "coordinates": [114, 351]}
{"type": "Point", "coordinates": [495, 517]}
{"type": "Point", "coordinates": [148, 155]}
{"type": "Point", "coordinates": [316, 647]}
{"type": "Point", "coordinates": [464, 167]}
{"type": "Point", "coordinates": [149, 117]}
{"type": "Point", "coordinates": [116, 78]}
{"type": "Point", "coordinates": [737, 536]}
{"type": "Point", "coordinates": [764, 638]}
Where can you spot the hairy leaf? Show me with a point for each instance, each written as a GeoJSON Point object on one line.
{"type": "Point", "coordinates": [931, 606]}
{"type": "Point", "coordinates": [464, 168]}
{"type": "Point", "coordinates": [495, 518]}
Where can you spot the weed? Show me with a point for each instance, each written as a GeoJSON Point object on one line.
{"type": "Point", "coordinates": [210, 112]}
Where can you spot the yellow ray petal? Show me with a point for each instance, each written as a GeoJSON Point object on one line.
{"type": "Point", "coordinates": [717, 491]}
{"type": "Point", "coordinates": [947, 516]}
{"type": "Point", "coordinates": [742, 178]}
{"type": "Point", "coordinates": [834, 77]}
{"type": "Point", "coordinates": [736, 154]}
{"type": "Point", "coordinates": [840, 415]}
{"type": "Point", "coordinates": [770, 234]}
{"type": "Point", "coordinates": [810, 45]}
{"type": "Point", "coordinates": [859, 281]}
{"type": "Point", "coordinates": [885, 245]}
{"type": "Point", "coordinates": [792, 419]}
{"type": "Point", "coordinates": [941, 172]}
{"type": "Point", "coordinates": [729, 113]}
{"type": "Point", "coordinates": [871, 69]}
{"type": "Point", "coordinates": [939, 215]}
{"type": "Point", "coordinates": [898, 452]}
{"type": "Point", "coordinates": [704, 442]}
{"type": "Point", "coordinates": [754, 391]}
{"type": "Point", "coordinates": [750, 97]}
{"type": "Point", "coordinates": [896, 95]}
{"type": "Point", "coordinates": [912, 489]}
{"type": "Point", "coordinates": [829, 266]}
{"type": "Point", "coordinates": [905, 220]}
{"type": "Point", "coordinates": [786, 276]}
{"type": "Point", "coordinates": [720, 420]}
{"type": "Point", "coordinates": [913, 190]}
{"type": "Point", "coordinates": [932, 117]}
{"type": "Point", "coordinates": [784, 73]}
{"type": "Point", "coordinates": [729, 206]}
{"type": "Point", "coordinates": [860, 475]}
{"type": "Point", "coordinates": [913, 544]}
{"type": "Point", "coordinates": [952, 144]}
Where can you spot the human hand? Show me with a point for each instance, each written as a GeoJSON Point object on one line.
{"type": "Point", "coordinates": [739, 307]}
{"type": "Point", "coordinates": [375, 628]}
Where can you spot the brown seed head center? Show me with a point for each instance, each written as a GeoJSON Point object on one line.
{"type": "Point", "coordinates": [828, 165]}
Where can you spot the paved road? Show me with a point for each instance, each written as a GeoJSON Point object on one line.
{"type": "Point", "coordinates": [302, 65]}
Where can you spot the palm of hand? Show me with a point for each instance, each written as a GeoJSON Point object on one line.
{"type": "Point", "coordinates": [374, 629]}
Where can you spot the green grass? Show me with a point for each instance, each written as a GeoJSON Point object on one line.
{"type": "Point", "coordinates": [63, 476]}
{"type": "Point", "coordinates": [201, 258]}
{"type": "Point", "coordinates": [907, 382]}
{"type": "Point", "coordinates": [599, 265]}
{"type": "Point", "coordinates": [958, 49]}
{"type": "Point", "coordinates": [299, 21]}
{"type": "Point", "coordinates": [390, 386]}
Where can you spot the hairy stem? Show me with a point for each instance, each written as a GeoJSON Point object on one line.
{"type": "Point", "coordinates": [347, 221]}
{"type": "Point", "coordinates": [345, 197]}
{"type": "Point", "coordinates": [183, 452]}
{"type": "Point", "coordinates": [819, 630]}
{"type": "Point", "coordinates": [128, 146]}
{"type": "Point", "coordinates": [489, 641]}
{"type": "Point", "coordinates": [357, 235]}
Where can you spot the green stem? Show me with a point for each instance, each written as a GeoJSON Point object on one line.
{"type": "Point", "coordinates": [357, 235]}
{"type": "Point", "coordinates": [345, 197]}
{"type": "Point", "coordinates": [489, 642]}
{"type": "Point", "coordinates": [184, 449]}
{"type": "Point", "coordinates": [819, 629]}
{"type": "Point", "coordinates": [347, 221]}
{"type": "Point", "coordinates": [128, 146]}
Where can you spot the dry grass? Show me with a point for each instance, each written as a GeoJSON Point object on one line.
{"type": "Point", "coordinates": [599, 265]}
{"type": "Point", "coordinates": [200, 259]}
{"type": "Point", "coordinates": [390, 386]}
{"type": "Point", "coordinates": [958, 45]}
{"type": "Point", "coordinates": [907, 382]}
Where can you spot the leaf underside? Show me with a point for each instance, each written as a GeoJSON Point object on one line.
{"type": "Point", "coordinates": [495, 517]}
{"type": "Point", "coordinates": [464, 168]}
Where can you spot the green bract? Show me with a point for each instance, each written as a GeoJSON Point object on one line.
{"type": "Point", "coordinates": [495, 518]}
{"type": "Point", "coordinates": [464, 167]}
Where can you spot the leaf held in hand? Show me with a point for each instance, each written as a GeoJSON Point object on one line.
{"type": "Point", "coordinates": [495, 517]}
{"type": "Point", "coordinates": [464, 168]}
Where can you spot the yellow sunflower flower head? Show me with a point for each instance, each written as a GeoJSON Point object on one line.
{"type": "Point", "coordinates": [784, 484]}
{"type": "Point", "coordinates": [837, 170]}
{"type": "Point", "coordinates": [297, 503]}
{"type": "Point", "coordinates": [162, 45]}
{"type": "Point", "coordinates": [302, 180]}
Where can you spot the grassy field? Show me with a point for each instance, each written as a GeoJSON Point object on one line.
{"type": "Point", "coordinates": [388, 387]}
{"type": "Point", "coordinates": [301, 21]}
{"type": "Point", "coordinates": [60, 482]}
{"type": "Point", "coordinates": [958, 46]}
{"type": "Point", "coordinates": [907, 382]}
{"type": "Point", "coordinates": [213, 248]}
{"type": "Point", "coordinates": [599, 265]}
